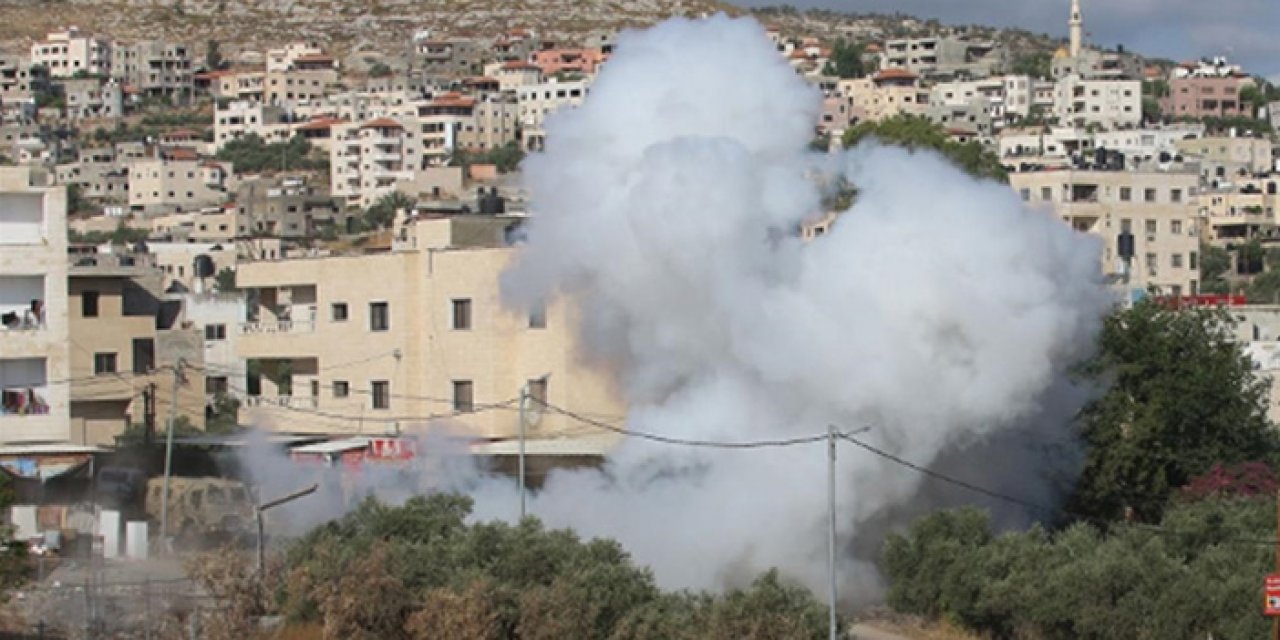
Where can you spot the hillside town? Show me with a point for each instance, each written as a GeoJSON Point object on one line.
{"type": "Point", "coordinates": [309, 245]}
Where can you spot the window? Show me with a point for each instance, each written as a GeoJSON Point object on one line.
{"type": "Point", "coordinates": [1175, 195]}
{"type": "Point", "coordinates": [462, 313]}
{"type": "Point", "coordinates": [104, 363]}
{"type": "Point", "coordinates": [381, 394]}
{"type": "Point", "coordinates": [1046, 193]}
{"type": "Point", "coordinates": [1149, 195]}
{"type": "Point", "coordinates": [1126, 194]}
{"type": "Point", "coordinates": [537, 392]}
{"type": "Point", "coordinates": [463, 402]}
{"type": "Point", "coordinates": [89, 304]}
{"type": "Point", "coordinates": [215, 385]}
{"type": "Point", "coordinates": [341, 389]}
{"type": "Point", "coordinates": [144, 355]}
{"type": "Point", "coordinates": [1151, 227]}
{"type": "Point", "coordinates": [1126, 225]}
{"type": "Point", "coordinates": [215, 332]}
{"type": "Point", "coordinates": [538, 314]}
{"type": "Point", "coordinates": [379, 316]}
{"type": "Point", "coordinates": [1025, 193]}
{"type": "Point", "coordinates": [1193, 260]}
{"type": "Point", "coordinates": [1177, 261]}
{"type": "Point", "coordinates": [338, 311]}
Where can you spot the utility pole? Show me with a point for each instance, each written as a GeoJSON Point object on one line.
{"type": "Point", "coordinates": [1275, 620]}
{"type": "Point", "coordinates": [831, 529]}
{"type": "Point", "coordinates": [149, 416]}
{"type": "Point", "coordinates": [168, 451]}
{"type": "Point", "coordinates": [524, 394]}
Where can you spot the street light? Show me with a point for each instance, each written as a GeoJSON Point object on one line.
{"type": "Point", "coordinates": [524, 396]}
{"type": "Point", "coordinates": [275, 503]}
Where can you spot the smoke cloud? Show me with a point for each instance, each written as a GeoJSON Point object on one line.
{"type": "Point", "coordinates": [938, 310]}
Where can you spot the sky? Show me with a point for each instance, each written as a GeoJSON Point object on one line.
{"type": "Point", "coordinates": [1247, 31]}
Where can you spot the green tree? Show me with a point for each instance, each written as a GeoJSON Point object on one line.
{"type": "Point", "coordinates": [380, 70]}
{"type": "Point", "coordinates": [250, 154]}
{"type": "Point", "coordinates": [225, 280]}
{"type": "Point", "coordinates": [918, 132]}
{"type": "Point", "coordinates": [1215, 262]}
{"type": "Point", "coordinates": [75, 200]}
{"type": "Point", "coordinates": [846, 60]}
{"type": "Point", "coordinates": [213, 56]}
{"type": "Point", "coordinates": [1182, 397]}
{"type": "Point", "coordinates": [506, 158]}
{"type": "Point", "coordinates": [1037, 64]}
{"type": "Point", "coordinates": [383, 212]}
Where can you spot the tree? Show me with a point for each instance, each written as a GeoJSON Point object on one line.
{"type": "Point", "coordinates": [75, 199]}
{"type": "Point", "coordinates": [846, 60]}
{"type": "Point", "coordinates": [380, 70]}
{"type": "Point", "coordinates": [213, 56]}
{"type": "Point", "coordinates": [383, 212]}
{"type": "Point", "coordinates": [225, 280]}
{"type": "Point", "coordinates": [250, 154]}
{"type": "Point", "coordinates": [1215, 262]}
{"type": "Point", "coordinates": [1037, 64]}
{"type": "Point", "coordinates": [506, 158]}
{"type": "Point", "coordinates": [918, 132]}
{"type": "Point", "coordinates": [1182, 398]}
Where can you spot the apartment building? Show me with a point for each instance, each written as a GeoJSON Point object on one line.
{"type": "Point", "coordinates": [888, 93]}
{"type": "Point", "coordinates": [286, 207]}
{"type": "Point", "coordinates": [244, 84]}
{"type": "Point", "coordinates": [303, 77]}
{"type": "Point", "coordinates": [124, 338]}
{"type": "Point", "coordinates": [19, 82]}
{"type": "Point", "coordinates": [451, 57]}
{"type": "Point", "coordinates": [1157, 210]}
{"type": "Point", "coordinates": [1207, 97]}
{"type": "Point", "coordinates": [943, 56]}
{"type": "Point", "coordinates": [1229, 156]}
{"type": "Point", "coordinates": [538, 101]}
{"type": "Point", "coordinates": [66, 53]}
{"type": "Point", "coordinates": [154, 68]}
{"type": "Point", "coordinates": [235, 119]}
{"type": "Point", "coordinates": [561, 60]}
{"type": "Point", "coordinates": [93, 98]}
{"type": "Point", "coordinates": [513, 74]}
{"type": "Point", "coordinates": [218, 317]}
{"type": "Point", "coordinates": [432, 347]}
{"type": "Point", "coordinates": [495, 122]}
{"type": "Point", "coordinates": [35, 366]}
{"type": "Point", "coordinates": [368, 159]}
{"type": "Point", "coordinates": [1240, 211]}
{"type": "Point", "coordinates": [99, 174]}
{"type": "Point", "coordinates": [177, 178]}
{"type": "Point", "coordinates": [1105, 103]}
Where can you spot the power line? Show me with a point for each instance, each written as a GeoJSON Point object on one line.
{"type": "Point", "coordinates": [1154, 529]}
{"type": "Point", "coordinates": [710, 444]}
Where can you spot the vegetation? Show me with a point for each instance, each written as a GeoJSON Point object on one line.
{"type": "Point", "coordinates": [420, 571]}
{"type": "Point", "coordinates": [1215, 262]}
{"type": "Point", "coordinates": [225, 280]}
{"type": "Point", "coordinates": [918, 132]}
{"type": "Point", "coordinates": [1037, 64]}
{"type": "Point", "coordinates": [1182, 398]}
{"type": "Point", "coordinates": [123, 235]}
{"type": "Point", "coordinates": [383, 212]}
{"type": "Point", "coordinates": [250, 154]}
{"type": "Point", "coordinates": [846, 60]}
{"type": "Point", "coordinates": [222, 415]}
{"type": "Point", "coordinates": [1082, 583]}
{"type": "Point", "coordinates": [506, 158]}
{"type": "Point", "coordinates": [213, 56]}
{"type": "Point", "coordinates": [76, 202]}
{"type": "Point", "coordinates": [380, 70]}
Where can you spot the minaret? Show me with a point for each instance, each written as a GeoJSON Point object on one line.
{"type": "Point", "coordinates": [1077, 28]}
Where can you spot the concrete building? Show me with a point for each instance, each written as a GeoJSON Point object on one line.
{"type": "Point", "coordinates": [154, 68]}
{"type": "Point", "coordinates": [286, 207]}
{"type": "Point", "coordinates": [238, 118]}
{"type": "Point", "coordinates": [1105, 103]}
{"type": "Point", "coordinates": [125, 338]}
{"type": "Point", "coordinates": [1239, 211]}
{"type": "Point", "coordinates": [93, 98]}
{"type": "Point", "coordinates": [943, 56]}
{"type": "Point", "coordinates": [35, 366]}
{"type": "Point", "coordinates": [243, 84]}
{"type": "Point", "coordinates": [451, 57]}
{"type": "Point", "coordinates": [19, 82]}
{"type": "Point", "coordinates": [513, 74]}
{"type": "Point", "coordinates": [1207, 97]}
{"type": "Point", "coordinates": [177, 179]}
{"type": "Point", "coordinates": [576, 60]}
{"type": "Point", "coordinates": [541, 100]}
{"type": "Point", "coordinates": [287, 57]}
{"type": "Point", "coordinates": [99, 174]}
{"type": "Point", "coordinates": [1158, 209]}
{"type": "Point", "coordinates": [66, 53]}
{"type": "Point", "coordinates": [302, 78]}
{"type": "Point", "coordinates": [888, 93]}
{"type": "Point", "coordinates": [1228, 157]}
{"type": "Point", "coordinates": [343, 352]}
{"type": "Point", "coordinates": [218, 317]}
{"type": "Point", "coordinates": [495, 122]}
{"type": "Point", "coordinates": [368, 159]}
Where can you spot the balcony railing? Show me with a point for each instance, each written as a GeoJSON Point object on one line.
{"type": "Point", "coordinates": [276, 326]}
{"type": "Point", "coordinates": [288, 402]}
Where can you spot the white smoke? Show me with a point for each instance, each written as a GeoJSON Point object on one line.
{"type": "Point", "coordinates": [938, 309]}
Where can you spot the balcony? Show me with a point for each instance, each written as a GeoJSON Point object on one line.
{"type": "Point", "coordinates": [22, 303]}
{"type": "Point", "coordinates": [267, 327]}
{"type": "Point", "coordinates": [22, 219]}
{"type": "Point", "coordinates": [23, 401]}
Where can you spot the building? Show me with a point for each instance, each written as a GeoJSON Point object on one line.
{"type": "Point", "coordinates": [581, 61]}
{"type": "Point", "coordinates": [154, 68]}
{"type": "Point", "coordinates": [343, 352]}
{"type": "Point", "coordinates": [125, 338]}
{"type": "Point", "coordinates": [538, 101]}
{"type": "Point", "coordinates": [70, 52]}
{"type": "Point", "coordinates": [1157, 209]}
{"type": "Point", "coordinates": [1227, 157]}
{"type": "Point", "coordinates": [888, 93]}
{"type": "Point", "coordinates": [368, 159]}
{"type": "Point", "coordinates": [234, 119]}
{"type": "Point", "coordinates": [35, 366]}
{"type": "Point", "coordinates": [302, 78]}
{"type": "Point", "coordinates": [1235, 212]}
{"type": "Point", "coordinates": [1207, 97]}
{"type": "Point", "coordinates": [19, 83]}
{"type": "Point", "coordinates": [93, 98]}
{"type": "Point", "coordinates": [942, 56]}
{"type": "Point", "coordinates": [178, 179]}
{"type": "Point", "coordinates": [451, 57]}
{"type": "Point", "coordinates": [218, 317]}
{"type": "Point", "coordinates": [1104, 103]}
{"type": "Point", "coordinates": [513, 74]}
{"type": "Point", "coordinates": [286, 207]}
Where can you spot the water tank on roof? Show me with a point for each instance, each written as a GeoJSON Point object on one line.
{"type": "Point", "coordinates": [204, 266]}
